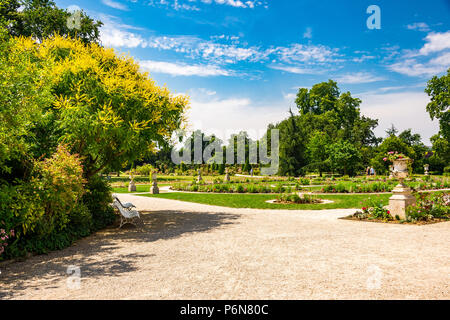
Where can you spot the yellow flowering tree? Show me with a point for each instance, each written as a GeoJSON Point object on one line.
{"type": "Point", "coordinates": [105, 108]}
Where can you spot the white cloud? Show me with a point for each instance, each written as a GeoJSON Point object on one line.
{"type": "Point", "coordinates": [225, 49]}
{"type": "Point", "coordinates": [431, 59]}
{"type": "Point", "coordinates": [225, 116]}
{"type": "Point", "coordinates": [308, 33]}
{"type": "Point", "coordinates": [115, 5]}
{"type": "Point", "coordinates": [113, 35]}
{"type": "Point", "coordinates": [413, 68]}
{"type": "Point", "coordinates": [183, 4]}
{"type": "Point", "coordinates": [421, 26]}
{"type": "Point", "coordinates": [403, 109]}
{"type": "Point", "coordinates": [296, 70]}
{"type": "Point", "coordinates": [358, 77]}
{"type": "Point", "coordinates": [176, 69]}
{"type": "Point", "coordinates": [363, 58]}
{"type": "Point", "coordinates": [307, 53]}
{"type": "Point", "coordinates": [436, 42]}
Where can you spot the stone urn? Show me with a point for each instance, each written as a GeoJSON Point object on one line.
{"type": "Point", "coordinates": [402, 197]}
{"type": "Point", "coordinates": [426, 167]}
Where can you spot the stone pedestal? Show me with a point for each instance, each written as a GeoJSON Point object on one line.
{"type": "Point", "coordinates": [199, 177]}
{"type": "Point", "coordinates": [227, 176]}
{"type": "Point", "coordinates": [400, 199]}
{"type": "Point", "coordinates": [426, 168]}
{"type": "Point", "coordinates": [154, 188]}
{"type": "Point", "coordinates": [132, 186]}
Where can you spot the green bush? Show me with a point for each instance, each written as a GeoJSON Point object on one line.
{"type": "Point", "coordinates": [54, 208]}
{"type": "Point", "coordinates": [304, 181]}
{"type": "Point", "coordinates": [97, 199]}
{"type": "Point", "coordinates": [374, 209]}
{"type": "Point", "coordinates": [145, 169]}
{"type": "Point", "coordinates": [295, 198]}
{"type": "Point", "coordinates": [430, 206]}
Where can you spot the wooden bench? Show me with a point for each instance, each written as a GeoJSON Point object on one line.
{"type": "Point", "coordinates": [127, 213]}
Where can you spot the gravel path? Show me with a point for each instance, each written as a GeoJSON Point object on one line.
{"type": "Point", "coordinates": [194, 251]}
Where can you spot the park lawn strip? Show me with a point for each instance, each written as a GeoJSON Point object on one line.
{"type": "Point", "coordinates": [139, 188]}
{"type": "Point", "coordinates": [258, 201]}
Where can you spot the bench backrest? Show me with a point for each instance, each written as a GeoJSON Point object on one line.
{"type": "Point", "coordinates": [126, 213]}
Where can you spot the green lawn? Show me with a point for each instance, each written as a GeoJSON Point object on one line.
{"type": "Point", "coordinates": [257, 201]}
{"type": "Point", "coordinates": [139, 188]}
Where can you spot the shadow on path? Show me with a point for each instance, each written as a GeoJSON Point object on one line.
{"type": "Point", "coordinates": [98, 255]}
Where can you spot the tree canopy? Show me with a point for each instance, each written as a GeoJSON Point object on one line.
{"type": "Point", "coordinates": [438, 88]}
{"type": "Point", "coordinates": [41, 19]}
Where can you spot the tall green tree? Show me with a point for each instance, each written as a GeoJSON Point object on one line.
{"type": "Point", "coordinates": [291, 147]}
{"type": "Point", "coordinates": [344, 157]}
{"type": "Point", "coordinates": [317, 151]}
{"type": "Point", "coordinates": [438, 88]}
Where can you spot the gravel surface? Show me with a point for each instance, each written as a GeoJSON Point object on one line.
{"type": "Point", "coordinates": [195, 251]}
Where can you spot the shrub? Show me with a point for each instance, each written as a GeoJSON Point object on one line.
{"type": "Point", "coordinates": [374, 209]}
{"type": "Point", "coordinates": [97, 199]}
{"type": "Point", "coordinates": [295, 198]}
{"type": "Point", "coordinates": [304, 181]}
{"type": "Point", "coordinates": [144, 170]}
{"type": "Point", "coordinates": [60, 184]}
{"type": "Point", "coordinates": [430, 206]}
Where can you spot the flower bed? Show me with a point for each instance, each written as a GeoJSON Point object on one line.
{"type": "Point", "coordinates": [430, 208]}
{"type": "Point", "coordinates": [387, 186]}
{"type": "Point", "coordinates": [232, 188]}
{"type": "Point", "coordinates": [295, 198]}
{"type": "Point", "coordinates": [359, 188]}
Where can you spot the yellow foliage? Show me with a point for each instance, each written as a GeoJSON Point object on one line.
{"type": "Point", "coordinates": [106, 94]}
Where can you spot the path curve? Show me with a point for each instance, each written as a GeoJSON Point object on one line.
{"type": "Point", "coordinates": [196, 251]}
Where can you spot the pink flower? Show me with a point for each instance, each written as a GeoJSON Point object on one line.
{"type": "Point", "coordinates": [384, 159]}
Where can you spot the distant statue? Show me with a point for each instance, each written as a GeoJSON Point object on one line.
{"type": "Point", "coordinates": [227, 176]}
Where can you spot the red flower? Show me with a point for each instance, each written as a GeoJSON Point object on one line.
{"type": "Point", "coordinates": [388, 212]}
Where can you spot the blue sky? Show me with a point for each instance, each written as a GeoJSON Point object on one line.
{"type": "Point", "coordinates": [242, 62]}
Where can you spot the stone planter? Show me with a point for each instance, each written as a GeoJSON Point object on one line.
{"type": "Point", "coordinates": [402, 197]}
{"type": "Point", "coordinates": [400, 169]}
{"type": "Point", "coordinates": [426, 168]}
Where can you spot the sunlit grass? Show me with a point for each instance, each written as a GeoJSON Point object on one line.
{"type": "Point", "coordinates": [258, 201]}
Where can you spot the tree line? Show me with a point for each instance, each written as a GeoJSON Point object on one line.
{"type": "Point", "coordinates": [329, 134]}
